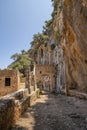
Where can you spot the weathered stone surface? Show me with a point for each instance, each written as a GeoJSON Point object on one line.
{"type": "Point", "coordinates": [67, 45]}
{"type": "Point", "coordinates": [6, 113]}
{"type": "Point", "coordinates": [45, 76]}
{"type": "Point", "coordinates": [13, 81]}
{"type": "Point", "coordinates": [13, 105]}
{"type": "Point", "coordinates": [75, 43]}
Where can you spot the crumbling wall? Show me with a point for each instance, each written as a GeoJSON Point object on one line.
{"type": "Point", "coordinates": [22, 83]}
{"type": "Point", "coordinates": [45, 76]}
{"type": "Point", "coordinates": [6, 113]}
{"type": "Point", "coordinates": [13, 105]}
{"type": "Point", "coordinates": [12, 84]}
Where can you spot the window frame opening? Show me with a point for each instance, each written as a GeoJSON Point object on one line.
{"type": "Point", "coordinates": [7, 82]}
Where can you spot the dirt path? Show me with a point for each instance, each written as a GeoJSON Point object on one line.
{"type": "Point", "coordinates": [54, 112]}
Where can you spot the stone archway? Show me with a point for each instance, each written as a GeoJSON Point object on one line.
{"type": "Point", "coordinates": [46, 82]}
{"type": "Point", "coordinates": [44, 75]}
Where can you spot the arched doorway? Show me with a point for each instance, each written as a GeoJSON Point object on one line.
{"type": "Point", "coordinates": [46, 83]}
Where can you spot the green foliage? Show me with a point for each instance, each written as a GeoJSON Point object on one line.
{"type": "Point", "coordinates": [36, 50]}
{"type": "Point", "coordinates": [55, 4]}
{"type": "Point", "coordinates": [15, 56]}
{"type": "Point", "coordinates": [54, 13]}
{"type": "Point", "coordinates": [38, 93]}
{"type": "Point", "coordinates": [56, 33]}
{"type": "Point", "coordinates": [20, 60]}
{"type": "Point", "coordinates": [39, 38]}
{"type": "Point", "coordinates": [47, 27]}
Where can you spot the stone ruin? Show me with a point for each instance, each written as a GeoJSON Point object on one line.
{"type": "Point", "coordinates": [18, 97]}
{"type": "Point", "coordinates": [49, 68]}
{"type": "Point", "coordinates": [9, 81]}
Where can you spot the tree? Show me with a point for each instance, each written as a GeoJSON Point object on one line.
{"type": "Point", "coordinates": [15, 56]}
{"type": "Point", "coordinates": [20, 61]}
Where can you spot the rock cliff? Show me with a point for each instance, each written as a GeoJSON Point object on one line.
{"type": "Point", "coordinates": [66, 44]}
{"type": "Point", "coordinates": [74, 43]}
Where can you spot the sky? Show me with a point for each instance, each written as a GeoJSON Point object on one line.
{"type": "Point", "coordinates": [19, 20]}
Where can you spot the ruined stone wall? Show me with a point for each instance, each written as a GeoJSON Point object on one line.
{"type": "Point", "coordinates": [45, 74]}
{"type": "Point", "coordinates": [13, 105]}
{"type": "Point", "coordinates": [12, 84]}
{"type": "Point", "coordinates": [22, 83]}
{"type": "Point", "coordinates": [6, 113]}
{"type": "Point", "coordinates": [52, 55]}
{"type": "Point", "coordinates": [44, 69]}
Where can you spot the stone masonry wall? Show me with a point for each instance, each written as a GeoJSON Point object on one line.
{"type": "Point", "coordinates": [13, 77]}
{"type": "Point", "coordinates": [13, 105]}
{"type": "Point", "coordinates": [45, 76]}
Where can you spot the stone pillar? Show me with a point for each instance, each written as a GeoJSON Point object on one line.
{"type": "Point", "coordinates": [58, 78]}
{"type": "Point", "coordinates": [49, 57]}
{"type": "Point", "coordinates": [51, 83]}
{"type": "Point", "coordinates": [27, 83]}
{"type": "Point", "coordinates": [34, 73]}
{"type": "Point", "coordinates": [35, 83]}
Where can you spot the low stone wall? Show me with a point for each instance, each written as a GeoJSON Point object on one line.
{"type": "Point", "coordinates": [27, 102]}
{"type": "Point", "coordinates": [13, 105]}
{"type": "Point", "coordinates": [33, 97]}
{"type": "Point", "coordinates": [6, 113]}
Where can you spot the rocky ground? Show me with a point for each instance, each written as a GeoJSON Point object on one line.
{"type": "Point", "coordinates": [54, 112]}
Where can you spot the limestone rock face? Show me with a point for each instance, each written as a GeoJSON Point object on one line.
{"type": "Point", "coordinates": [75, 43]}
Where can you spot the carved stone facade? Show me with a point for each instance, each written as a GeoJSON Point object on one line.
{"type": "Point", "coordinates": [45, 76]}
{"type": "Point", "coordinates": [49, 69]}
